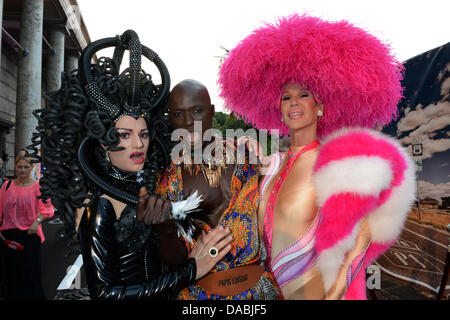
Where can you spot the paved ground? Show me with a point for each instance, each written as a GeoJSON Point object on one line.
{"type": "Point", "coordinates": [417, 259]}
{"type": "Point", "coordinates": [59, 252]}
{"type": "Point", "coordinates": [395, 289]}
{"type": "Point", "coordinates": [410, 270]}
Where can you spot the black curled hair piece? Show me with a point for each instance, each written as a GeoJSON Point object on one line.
{"type": "Point", "coordinates": [60, 128]}
{"type": "Point", "coordinates": [160, 147]}
{"type": "Point", "coordinates": [72, 115]}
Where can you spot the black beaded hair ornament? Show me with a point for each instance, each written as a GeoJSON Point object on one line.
{"type": "Point", "coordinates": [81, 116]}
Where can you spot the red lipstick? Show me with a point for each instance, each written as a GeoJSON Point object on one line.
{"type": "Point", "coordinates": [137, 157]}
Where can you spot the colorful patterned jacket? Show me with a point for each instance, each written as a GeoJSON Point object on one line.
{"type": "Point", "coordinates": [241, 217]}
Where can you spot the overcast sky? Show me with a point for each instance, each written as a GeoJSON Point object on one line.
{"type": "Point", "coordinates": [188, 34]}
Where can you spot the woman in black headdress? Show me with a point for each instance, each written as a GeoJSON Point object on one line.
{"type": "Point", "coordinates": [104, 136]}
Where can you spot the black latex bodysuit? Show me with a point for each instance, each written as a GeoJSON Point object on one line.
{"type": "Point", "coordinates": [120, 257]}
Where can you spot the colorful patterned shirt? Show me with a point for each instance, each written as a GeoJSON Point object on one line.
{"type": "Point", "coordinates": [242, 220]}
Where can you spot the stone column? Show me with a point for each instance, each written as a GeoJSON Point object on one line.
{"type": "Point", "coordinates": [71, 61]}
{"type": "Point", "coordinates": [29, 71]}
{"type": "Point", "coordinates": [1, 32]}
{"type": "Point", "coordinates": [55, 61]}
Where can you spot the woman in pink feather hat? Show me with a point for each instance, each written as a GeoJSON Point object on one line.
{"type": "Point", "coordinates": [327, 208]}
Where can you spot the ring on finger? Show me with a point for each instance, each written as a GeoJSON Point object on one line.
{"type": "Point", "coordinates": [213, 252]}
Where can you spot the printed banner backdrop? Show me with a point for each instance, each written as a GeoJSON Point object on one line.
{"type": "Point", "coordinates": [423, 126]}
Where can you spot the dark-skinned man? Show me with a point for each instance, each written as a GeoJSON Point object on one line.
{"type": "Point", "coordinates": [229, 199]}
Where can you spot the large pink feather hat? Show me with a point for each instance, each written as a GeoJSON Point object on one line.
{"type": "Point", "coordinates": [353, 74]}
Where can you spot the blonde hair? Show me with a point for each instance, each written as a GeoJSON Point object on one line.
{"type": "Point", "coordinates": [22, 157]}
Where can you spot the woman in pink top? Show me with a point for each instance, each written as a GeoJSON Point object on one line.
{"type": "Point", "coordinates": [21, 215]}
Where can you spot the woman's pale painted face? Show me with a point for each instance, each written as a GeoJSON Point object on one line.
{"type": "Point", "coordinates": [298, 107]}
{"type": "Point", "coordinates": [134, 137]}
{"type": "Point", "coordinates": [23, 169]}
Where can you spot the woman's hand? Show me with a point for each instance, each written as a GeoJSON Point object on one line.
{"type": "Point", "coordinates": [33, 228]}
{"type": "Point", "coordinates": [152, 210]}
{"type": "Point", "coordinates": [210, 249]}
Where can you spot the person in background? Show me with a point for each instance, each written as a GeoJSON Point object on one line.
{"type": "Point", "coordinates": [2, 175]}
{"type": "Point", "coordinates": [36, 171]}
{"type": "Point", "coordinates": [21, 216]}
{"type": "Point", "coordinates": [2, 253]}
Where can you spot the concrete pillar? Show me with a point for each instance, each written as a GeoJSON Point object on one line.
{"type": "Point", "coordinates": [71, 62]}
{"type": "Point", "coordinates": [55, 60]}
{"type": "Point", "coordinates": [1, 32]}
{"type": "Point", "coordinates": [29, 71]}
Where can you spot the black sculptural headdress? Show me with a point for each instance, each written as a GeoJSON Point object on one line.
{"type": "Point", "coordinates": [81, 116]}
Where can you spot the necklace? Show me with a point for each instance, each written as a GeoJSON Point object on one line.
{"type": "Point", "coordinates": [308, 147]}
{"type": "Point", "coordinates": [124, 180]}
{"type": "Point", "coordinates": [123, 175]}
{"type": "Point", "coordinates": [212, 166]}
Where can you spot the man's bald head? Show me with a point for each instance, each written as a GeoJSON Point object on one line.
{"type": "Point", "coordinates": [189, 89]}
{"type": "Point", "coordinates": [189, 101]}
